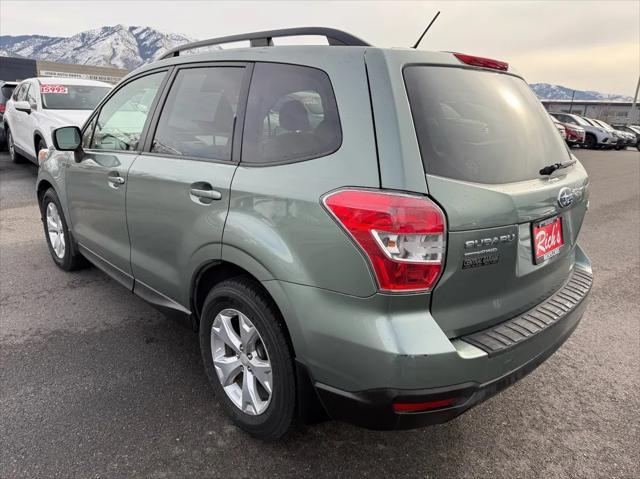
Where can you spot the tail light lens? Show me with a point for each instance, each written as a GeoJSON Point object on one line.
{"type": "Point", "coordinates": [403, 236]}
{"type": "Point", "coordinates": [482, 62]}
{"type": "Point", "coordinates": [2, 107]}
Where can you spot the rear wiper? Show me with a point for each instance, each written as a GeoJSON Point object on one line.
{"type": "Point", "coordinates": [547, 170]}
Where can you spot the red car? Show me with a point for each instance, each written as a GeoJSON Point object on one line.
{"type": "Point", "coordinates": [574, 134]}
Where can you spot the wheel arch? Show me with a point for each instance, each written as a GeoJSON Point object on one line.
{"type": "Point", "coordinates": [213, 272]}
{"type": "Point", "coordinates": [37, 135]}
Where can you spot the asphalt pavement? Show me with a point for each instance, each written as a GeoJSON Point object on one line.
{"type": "Point", "coordinates": [96, 383]}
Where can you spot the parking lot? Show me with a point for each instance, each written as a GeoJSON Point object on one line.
{"type": "Point", "coordinates": [96, 383]}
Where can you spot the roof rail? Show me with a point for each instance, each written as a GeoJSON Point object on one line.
{"type": "Point", "coordinates": [264, 39]}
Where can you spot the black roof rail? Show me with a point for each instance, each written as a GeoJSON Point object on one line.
{"type": "Point", "coordinates": [264, 39]}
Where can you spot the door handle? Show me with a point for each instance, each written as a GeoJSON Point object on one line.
{"type": "Point", "coordinates": [208, 194]}
{"type": "Point", "coordinates": [115, 179]}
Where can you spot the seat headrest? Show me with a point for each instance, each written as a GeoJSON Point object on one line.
{"type": "Point", "coordinates": [293, 116]}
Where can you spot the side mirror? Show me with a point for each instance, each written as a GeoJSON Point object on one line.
{"type": "Point", "coordinates": [67, 138]}
{"type": "Point", "coordinates": [23, 106]}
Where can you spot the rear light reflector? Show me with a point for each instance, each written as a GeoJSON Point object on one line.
{"type": "Point", "coordinates": [403, 236]}
{"type": "Point", "coordinates": [423, 406]}
{"type": "Point", "coordinates": [482, 62]}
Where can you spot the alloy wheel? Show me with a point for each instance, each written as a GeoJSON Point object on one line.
{"type": "Point", "coordinates": [55, 230]}
{"type": "Point", "coordinates": [241, 361]}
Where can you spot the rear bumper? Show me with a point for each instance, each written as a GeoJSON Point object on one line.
{"type": "Point", "coordinates": [547, 326]}
{"type": "Point", "coordinates": [374, 409]}
{"type": "Point", "coordinates": [365, 354]}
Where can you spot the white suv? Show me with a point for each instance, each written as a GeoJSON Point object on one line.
{"type": "Point", "coordinates": [40, 105]}
{"type": "Point", "coordinates": [595, 136]}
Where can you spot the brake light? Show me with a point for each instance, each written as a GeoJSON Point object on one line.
{"type": "Point", "coordinates": [423, 406]}
{"type": "Point", "coordinates": [403, 236]}
{"type": "Point", "coordinates": [482, 62]}
{"type": "Point", "coordinates": [2, 107]}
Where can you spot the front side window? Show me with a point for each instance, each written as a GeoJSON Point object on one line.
{"type": "Point", "coordinates": [198, 116]}
{"type": "Point", "coordinates": [122, 118]}
{"type": "Point", "coordinates": [30, 95]}
{"type": "Point", "coordinates": [71, 97]}
{"type": "Point", "coordinates": [18, 95]}
{"type": "Point", "coordinates": [291, 115]}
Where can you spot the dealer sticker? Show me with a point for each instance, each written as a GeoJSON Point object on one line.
{"type": "Point", "coordinates": [49, 88]}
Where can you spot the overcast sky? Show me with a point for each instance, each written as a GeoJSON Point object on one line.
{"type": "Point", "coordinates": [588, 45]}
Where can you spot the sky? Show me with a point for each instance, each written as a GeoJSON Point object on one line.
{"type": "Point", "coordinates": [586, 45]}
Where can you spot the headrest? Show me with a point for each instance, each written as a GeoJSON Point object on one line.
{"type": "Point", "coordinates": [293, 116]}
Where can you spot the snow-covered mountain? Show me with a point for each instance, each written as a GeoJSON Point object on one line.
{"type": "Point", "coordinates": [545, 91]}
{"type": "Point", "coordinates": [118, 46]}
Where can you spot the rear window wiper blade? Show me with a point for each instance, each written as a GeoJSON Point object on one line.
{"type": "Point", "coordinates": [547, 170]}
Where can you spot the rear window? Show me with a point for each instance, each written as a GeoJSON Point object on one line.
{"type": "Point", "coordinates": [72, 97]}
{"type": "Point", "coordinates": [480, 126]}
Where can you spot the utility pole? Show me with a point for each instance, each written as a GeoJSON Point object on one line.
{"type": "Point", "coordinates": [630, 116]}
{"type": "Point", "coordinates": [572, 97]}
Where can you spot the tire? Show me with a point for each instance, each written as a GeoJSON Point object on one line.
{"type": "Point", "coordinates": [590, 141]}
{"type": "Point", "coordinates": [245, 297]}
{"type": "Point", "coordinates": [63, 251]}
{"type": "Point", "coordinates": [11, 146]}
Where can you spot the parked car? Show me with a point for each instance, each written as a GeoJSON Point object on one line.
{"type": "Point", "coordinates": [560, 127]}
{"type": "Point", "coordinates": [632, 130]}
{"type": "Point", "coordinates": [595, 136]}
{"type": "Point", "coordinates": [626, 139]}
{"type": "Point", "coordinates": [39, 105]}
{"type": "Point", "coordinates": [6, 89]}
{"type": "Point", "coordinates": [575, 134]}
{"type": "Point", "coordinates": [382, 236]}
{"type": "Point", "coordinates": [618, 138]}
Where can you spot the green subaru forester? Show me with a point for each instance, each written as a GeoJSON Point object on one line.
{"type": "Point", "coordinates": [382, 236]}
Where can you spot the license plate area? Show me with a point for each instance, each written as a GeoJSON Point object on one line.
{"type": "Point", "coordinates": [547, 239]}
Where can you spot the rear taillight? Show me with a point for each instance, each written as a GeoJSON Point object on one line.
{"type": "Point", "coordinates": [403, 236]}
{"type": "Point", "coordinates": [482, 62]}
{"type": "Point", "coordinates": [2, 107]}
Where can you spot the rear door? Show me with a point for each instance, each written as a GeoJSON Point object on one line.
{"type": "Point", "coordinates": [178, 189]}
{"type": "Point", "coordinates": [96, 181]}
{"type": "Point", "coordinates": [483, 139]}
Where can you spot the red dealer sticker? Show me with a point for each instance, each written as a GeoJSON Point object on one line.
{"type": "Point", "coordinates": [48, 88]}
{"type": "Point", "coordinates": [547, 239]}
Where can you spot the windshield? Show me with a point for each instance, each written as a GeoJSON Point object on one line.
{"type": "Point", "coordinates": [480, 126]}
{"type": "Point", "coordinates": [72, 97]}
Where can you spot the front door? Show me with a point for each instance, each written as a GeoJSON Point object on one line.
{"type": "Point", "coordinates": [178, 189]}
{"type": "Point", "coordinates": [97, 179]}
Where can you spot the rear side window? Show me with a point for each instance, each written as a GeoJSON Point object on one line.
{"type": "Point", "coordinates": [480, 126]}
{"type": "Point", "coordinates": [291, 115]}
{"type": "Point", "coordinates": [198, 116]}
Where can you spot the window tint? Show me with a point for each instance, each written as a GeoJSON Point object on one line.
{"type": "Point", "coordinates": [291, 115]}
{"type": "Point", "coordinates": [480, 126]}
{"type": "Point", "coordinates": [122, 118]}
{"type": "Point", "coordinates": [198, 116]}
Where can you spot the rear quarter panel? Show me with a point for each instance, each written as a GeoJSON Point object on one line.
{"type": "Point", "coordinates": [276, 223]}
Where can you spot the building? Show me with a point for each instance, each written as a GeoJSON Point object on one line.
{"type": "Point", "coordinates": [612, 112]}
{"type": "Point", "coordinates": [12, 69]}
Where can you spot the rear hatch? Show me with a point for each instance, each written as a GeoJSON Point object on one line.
{"type": "Point", "coordinates": [483, 138]}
